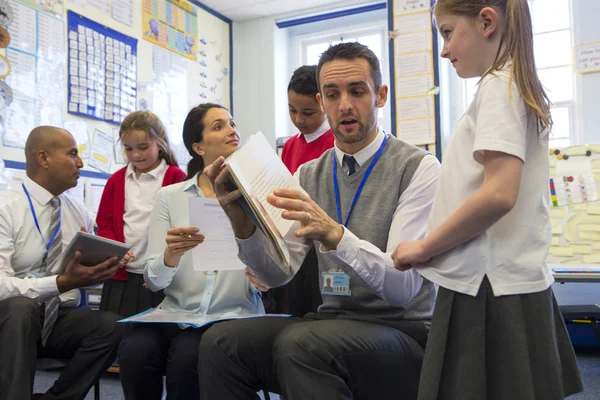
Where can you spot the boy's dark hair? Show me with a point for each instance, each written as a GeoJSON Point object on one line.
{"type": "Point", "coordinates": [351, 51]}
{"type": "Point", "coordinates": [304, 80]}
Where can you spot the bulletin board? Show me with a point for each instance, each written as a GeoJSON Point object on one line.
{"type": "Point", "coordinates": [102, 70]}
{"type": "Point", "coordinates": [414, 71]}
{"type": "Point", "coordinates": [166, 83]}
{"type": "Point", "coordinates": [171, 24]}
{"type": "Point", "coordinates": [574, 205]}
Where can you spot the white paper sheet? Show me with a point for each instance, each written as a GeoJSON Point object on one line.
{"type": "Point", "coordinates": [413, 64]}
{"type": "Point", "coordinates": [219, 249]}
{"type": "Point", "coordinates": [101, 5]}
{"type": "Point", "coordinates": [404, 6]}
{"type": "Point", "coordinates": [413, 22]}
{"type": "Point", "coordinates": [101, 151]}
{"type": "Point", "coordinates": [79, 131]}
{"type": "Point", "coordinates": [23, 29]}
{"type": "Point", "coordinates": [158, 315]}
{"type": "Point", "coordinates": [122, 11]}
{"type": "Point", "coordinates": [417, 131]}
{"type": "Point", "coordinates": [412, 42]}
{"type": "Point", "coordinates": [51, 38]}
{"type": "Point", "coordinates": [415, 107]}
{"type": "Point", "coordinates": [414, 85]}
{"type": "Point", "coordinates": [22, 77]}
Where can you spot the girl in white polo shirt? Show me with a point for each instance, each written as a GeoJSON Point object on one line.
{"type": "Point", "coordinates": [497, 332]}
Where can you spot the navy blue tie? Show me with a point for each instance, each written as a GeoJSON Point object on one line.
{"type": "Point", "coordinates": [351, 163]}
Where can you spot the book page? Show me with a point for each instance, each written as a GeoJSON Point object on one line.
{"type": "Point", "coordinates": [262, 171]}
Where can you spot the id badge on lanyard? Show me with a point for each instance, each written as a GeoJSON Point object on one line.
{"type": "Point", "coordinates": [336, 282]}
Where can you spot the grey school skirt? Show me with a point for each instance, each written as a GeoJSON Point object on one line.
{"type": "Point", "coordinates": [498, 348]}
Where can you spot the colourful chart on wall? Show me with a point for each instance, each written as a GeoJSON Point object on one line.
{"type": "Point", "coordinates": [36, 55]}
{"type": "Point", "coordinates": [102, 70]}
{"type": "Point", "coordinates": [574, 205]}
{"type": "Point", "coordinates": [171, 24]}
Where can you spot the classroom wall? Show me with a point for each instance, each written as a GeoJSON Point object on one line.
{"type": "Point", "coordinates": [167, 91]}
{"type": "Point", "coordinates": [264, 58]}
{"type": "Point", "coordinates": [586, 14]}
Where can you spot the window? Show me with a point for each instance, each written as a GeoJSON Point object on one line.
{"type": "Point", "coordinates": [374, 38]}
{"type": "Point", "coordinates": [552, 38]}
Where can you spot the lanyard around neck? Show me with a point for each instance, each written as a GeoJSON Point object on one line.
{"type": "Point", "coordinates": [360, 187]}
{"type": "Point", "coordinates": [49, 243]}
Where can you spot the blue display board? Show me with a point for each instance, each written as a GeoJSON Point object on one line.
{"type": "Point", "coordinates": [102, 70]}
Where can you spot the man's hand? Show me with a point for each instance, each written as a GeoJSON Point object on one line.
{"type": "Point", "coordinates": [179, 240]}
{"type": "Point", "coordinates": [218, 174]}
{"type": "Point", "coordinates": [408, 253]}
{"type": "Point", "coordinates": [77, 275]}
{"type": "Point", "coordinates": [255, 281]}
{"type": "Point", "coordinates": [315, 224]}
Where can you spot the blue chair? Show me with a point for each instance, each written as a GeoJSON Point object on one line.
{"type": "Point", "coordinates": [589, 312]}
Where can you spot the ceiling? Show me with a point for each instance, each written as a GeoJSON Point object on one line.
{"type": "Point", "coordinates": [240, 10]}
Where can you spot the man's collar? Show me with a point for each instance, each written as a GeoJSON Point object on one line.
{"type": "Point", "coordinates": [37, 192]}
{"type": "Point", "coordinates": [362, 155]}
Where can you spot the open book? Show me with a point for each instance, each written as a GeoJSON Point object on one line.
{"type": "Point", "coordinates": [257, 171]}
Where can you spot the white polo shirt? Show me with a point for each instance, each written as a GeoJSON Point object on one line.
{"type": "Point", "coordinates": [513, 251]}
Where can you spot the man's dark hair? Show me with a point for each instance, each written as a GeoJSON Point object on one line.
{"type": "Point", "coordinates": [351, 51]}
{"type": "Point", "coordinates": [304, 80]}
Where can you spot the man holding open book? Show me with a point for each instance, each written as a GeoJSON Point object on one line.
{"type": "Point", "coordinates": [359, 200]}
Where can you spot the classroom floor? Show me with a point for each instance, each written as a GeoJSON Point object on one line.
{"type": "Point", "coordinates": [588, 360]}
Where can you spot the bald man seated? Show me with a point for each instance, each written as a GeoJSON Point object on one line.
{"type": "Point", "coordinates": [38, 314]}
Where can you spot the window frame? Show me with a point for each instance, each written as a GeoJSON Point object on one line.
{"type": "Point", "coordinates": [328, 36]}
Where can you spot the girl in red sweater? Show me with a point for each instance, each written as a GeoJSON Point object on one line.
{"type": "Point", "coordinates": [126, 204]}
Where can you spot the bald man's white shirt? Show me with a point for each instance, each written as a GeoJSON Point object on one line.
{"type": "Point", "coordinates": [22, 248]}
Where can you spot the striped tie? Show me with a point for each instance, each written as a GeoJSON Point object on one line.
{"type": "Point", "coordinates": [51, 311]}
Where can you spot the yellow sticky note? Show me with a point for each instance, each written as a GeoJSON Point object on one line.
{"type": "Point", "coordinates": [591, 219]}
{"type": "Point", "coordinates": [596, 176]}
{"type": "Point", "coordinates": [561, 251]}
{"type": "Point", "coordinates": [555, 241]}
{"type": "Point", "coordinates": [588, 235]}
{"type": "Point", "coordinates": [596, 245]}
{"type": "Point", "coordinates": [575, 150]}
{"type": "Point", "coordinates": [578, 207]}
{"type": "Point", "coordinates": [571, 232]}
{"type": "Point", "coordinates": [589, 228]}
{"type": "Point", "coordinates": [558, 212]}
{"type": "Point", "coordinates": [596, 163]}
{"type": "Point", "coordinates": [592, 259]}
{"type": "Point", "coordinates": [570, 261]}
{"type": "Point", "coordinates": [557, 230]}
{"type": "Point", "coordinates": [101, 158]}
{"type": "Point", "coordinates": [552, 171]}
{"type": "Point", "coordinates": [593, 208]}
{"type": "Point", "coordinates": [552, 163]}
{"type": "Point", "coordinates": [581, 248]}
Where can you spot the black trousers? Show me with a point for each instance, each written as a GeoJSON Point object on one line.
{"type": "Point", "coordinates": [150, 351]}
{"type": "Point", "coordinates": [88, 338]}
{"type": "Point", "coordinates": [308, 359]}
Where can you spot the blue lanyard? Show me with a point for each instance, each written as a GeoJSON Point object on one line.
{"type": "Point", "coordinates": [360, 187]}
{"type": "Point", "coordinates": [38, 225]}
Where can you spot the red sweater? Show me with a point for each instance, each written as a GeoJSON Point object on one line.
{"type": "Point", "coordinates": [112, 207]}
{"type": "Point", "coordinates": [297, 151]}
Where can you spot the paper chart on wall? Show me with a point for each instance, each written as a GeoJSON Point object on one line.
{"type": "Point", "coordinates": [101, 151]}
{"type": "Point", "coordinates": [36, 54]}
{"type": "Point", "coordinates": [100, 5]}
{"type": "Point", "coordinates": [405, 6]}
{"type": "Point", "coordinates": [79, 130]}
{"type": "Point", "coordinates": [574, 205]}
{"type": "Point", "coordinates": [417, 131]}
{"type": "Point", "coordinates": [102, 70]}
{"type": "Point", "coordinates": [417, 85]}
{"type": "Point", "coordinates": [122, 11]}
{"type": "Point", "coordinates": [415, 107]}
{"type": "Point", "coordinates": [52, 6]}
{"type": "Point", "coordinates": [413, 72]}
